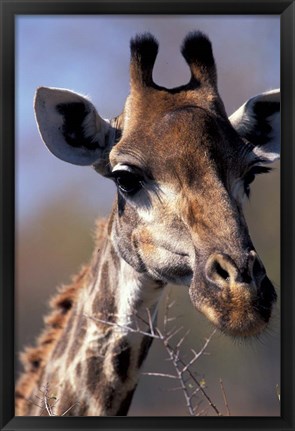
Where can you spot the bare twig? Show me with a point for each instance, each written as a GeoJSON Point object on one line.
{"type": "Point", "coordinates": [172, 334]}
{"type": "Point", "coordinates": [182, 339]}
{"type": "Point", "coordinates": [150, 321]}
{"type": "Point", "coordinates": [70, 408]}
{"type": "Point", "coordinates": [224, 397]}
{"type": "Point", "coordinates": [49, 402]}
{"type": "Point", "coordinates": [174, 354]}
{"type": "Point", "coordinates": [170, 376]}
{"type": "Point", "coordinates": [125, 327]}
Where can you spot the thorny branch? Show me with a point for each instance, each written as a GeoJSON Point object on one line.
{"type": "Point", "coordinates": [188, 382]}
{"type": "Point", "coordinates": [48, 402]}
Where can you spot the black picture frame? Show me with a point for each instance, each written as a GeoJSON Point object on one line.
{"type": "Point", "coordinates": [9, 8]}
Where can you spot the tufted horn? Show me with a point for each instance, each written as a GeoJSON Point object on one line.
{"type": "Point", "coordinates": [197, 51]}
{"type": "Point", "coordinates": [144, 50]}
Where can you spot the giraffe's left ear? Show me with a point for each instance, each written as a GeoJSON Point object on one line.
{"type": "Point", "coordinates": [258, 121]}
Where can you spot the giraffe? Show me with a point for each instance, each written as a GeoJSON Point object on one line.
{"type": "Point", "coordinates": [182, 169]}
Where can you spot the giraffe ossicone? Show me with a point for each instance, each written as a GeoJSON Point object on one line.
{"type": "Point", "coordinates": [182, 169]}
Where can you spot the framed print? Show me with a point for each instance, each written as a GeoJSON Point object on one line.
{"type": "Point", "coordinates": [146, 258]}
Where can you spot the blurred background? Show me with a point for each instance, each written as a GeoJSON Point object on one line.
{"type": "Point", "coordinates": [57, 203]}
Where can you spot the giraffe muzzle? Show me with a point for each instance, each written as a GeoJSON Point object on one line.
{"type": "Point", "coordinates": [236, 297]}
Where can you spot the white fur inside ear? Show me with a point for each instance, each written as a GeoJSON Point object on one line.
{"type": "Point", "coordinates": [246, 122]}
{"type": "Point", "coordinates": [51, 126]}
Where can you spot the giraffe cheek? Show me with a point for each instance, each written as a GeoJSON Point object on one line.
{"type": "Point", "coordinates": [147, 249]}
{"type": "Point", "coordinates": [144, 244]}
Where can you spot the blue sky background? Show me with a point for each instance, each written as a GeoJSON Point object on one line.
{"type": "Point", "coordinates": [56, 203]}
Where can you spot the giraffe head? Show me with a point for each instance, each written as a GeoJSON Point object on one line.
{"type": "Point", "coordinates": [182, 169]}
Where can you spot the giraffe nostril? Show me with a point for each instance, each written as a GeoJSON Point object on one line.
{"type": "Point", "coordinates": [221, 272]}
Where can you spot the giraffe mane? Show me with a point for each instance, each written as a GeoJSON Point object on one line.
{"type": "Point", "coordinates": [61, 306]}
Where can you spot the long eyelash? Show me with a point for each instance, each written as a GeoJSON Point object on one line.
{"type": "Point", "coordinates": [261, 170]}
{"type": "Point", "coordinates": [255, 170]}
{"type": "Point", "coordinates": [155, 189]}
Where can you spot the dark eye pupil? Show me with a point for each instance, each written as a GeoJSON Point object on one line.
{"type": "Point", "coordinates": [128, 182]}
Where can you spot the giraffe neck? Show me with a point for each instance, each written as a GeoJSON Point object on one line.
{"type": "Point", "coordinates": [95, 364]}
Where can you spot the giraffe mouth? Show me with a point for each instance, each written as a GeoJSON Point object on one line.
{"type": "Point", "coordinates": [233, 291]}
{"type": "Point", "coordinates": [239, 312]}
{"type": "Point", "coordinates": [170, 266]}
{"type": "Point", "coordinates": [180, 273]}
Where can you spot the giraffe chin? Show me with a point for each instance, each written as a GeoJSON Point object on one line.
{"type": "Point", "coordinates": [232, 324]}
{"type": "Point", "coordinates": [242, 313]}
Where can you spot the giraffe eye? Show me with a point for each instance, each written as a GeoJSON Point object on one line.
{"type": "Point", "coordinates": [128, 182]}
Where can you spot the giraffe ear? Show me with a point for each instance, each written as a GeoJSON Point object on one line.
{"type": "Point", "coordinates": [71, 127]}
{"type": "Point", "coordinates": [258, 121]}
